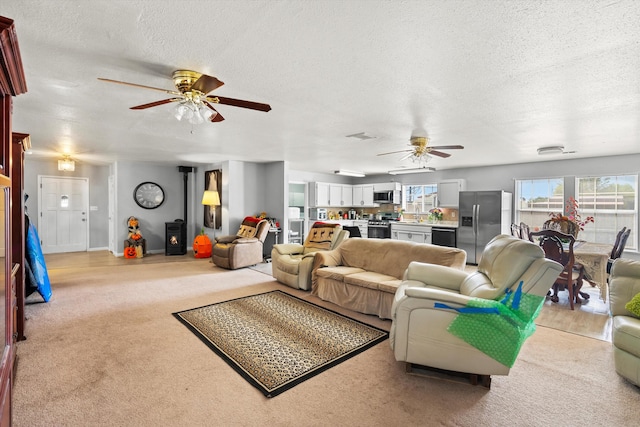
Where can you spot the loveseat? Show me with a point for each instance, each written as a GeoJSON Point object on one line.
{"type": "Point", "coordinates": [363, 274]}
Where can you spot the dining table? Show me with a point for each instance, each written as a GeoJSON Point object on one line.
{"type": "Point", "coordinates": [593, 257]}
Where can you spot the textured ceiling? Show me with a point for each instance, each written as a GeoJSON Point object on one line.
{"type": "Point", "coordinates": [501, 78]}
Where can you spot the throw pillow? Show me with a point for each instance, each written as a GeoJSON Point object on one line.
{"type": "Point", "coordinates": [634, 305]}
{"type": "Point", "coordinates": [321, 236]}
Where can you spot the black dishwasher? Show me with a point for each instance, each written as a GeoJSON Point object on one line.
{"type": "Point", "coordinates": [444, 236]}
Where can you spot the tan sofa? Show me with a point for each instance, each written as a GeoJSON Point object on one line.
{"type": "Point", "coordinates": [364, 274]}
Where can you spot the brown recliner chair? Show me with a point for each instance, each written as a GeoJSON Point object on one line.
{"type": "Point", "coordinates": [244, 248]}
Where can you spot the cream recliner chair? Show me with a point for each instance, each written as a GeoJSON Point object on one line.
{"type": "Point", "coordinates": [243, 249]}
{"type": "Point", "coordinates": [292, 262]}
{"type": "Point", "coordinates": [624, 285]}
{"type": "Point", "coordinates": [427, 330]}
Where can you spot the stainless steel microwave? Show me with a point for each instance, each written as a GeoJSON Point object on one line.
{"type": "Point", "coordinates": [387, 197]}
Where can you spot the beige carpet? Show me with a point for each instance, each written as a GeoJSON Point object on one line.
{"type": "Point", "coordinates": [106, 351]}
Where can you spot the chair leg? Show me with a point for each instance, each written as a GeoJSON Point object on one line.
{"type": "Point", "coordinates": [570, 289]}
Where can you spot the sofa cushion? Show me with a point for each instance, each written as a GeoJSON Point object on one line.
{"type": "Point", "coordinates": [337, 273]}
{"type": "Point", "coordinates": [371, 280]}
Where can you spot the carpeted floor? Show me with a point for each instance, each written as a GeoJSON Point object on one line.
{"type": "Point", "coordinates": [107, 351]}
{"type": "Point", "coordinates": [276, 341]}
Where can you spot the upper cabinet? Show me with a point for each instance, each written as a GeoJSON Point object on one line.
{"type": "Point", "coordinates": [340, 195]}
{"type": "Point", "coordinates": [387, 186]}
{"type": "Point", "coordinates": [363, 196]}
{"type": "Point", "coordinates": [448, 192]}
{"type": "Point", "coordinates": [318, 194]}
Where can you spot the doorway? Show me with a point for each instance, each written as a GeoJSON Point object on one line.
{"type": "Point", "coordinates": [63, 222]}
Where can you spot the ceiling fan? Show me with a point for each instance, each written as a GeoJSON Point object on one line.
{"type": "Point", "coordinates": [421, 149]}
{"type": "Point", "coordinates": [194, 103]}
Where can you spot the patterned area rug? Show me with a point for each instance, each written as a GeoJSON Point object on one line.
{"type": "Point", "coordinates": [276, 341]}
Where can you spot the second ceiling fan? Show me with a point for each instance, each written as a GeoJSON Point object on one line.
{"type": "Point", "coordinates": [421, 149]}
{"type": "Point", "coordinates": [192, 95]}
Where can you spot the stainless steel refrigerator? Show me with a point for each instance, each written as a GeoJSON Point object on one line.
{"type": "Point", "coordinates": [483, 215]}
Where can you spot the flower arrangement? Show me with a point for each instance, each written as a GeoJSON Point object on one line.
{"type": "Point", "coordinates": [571, 207]}
{"type": "Point", "coordinates": [436, 214]}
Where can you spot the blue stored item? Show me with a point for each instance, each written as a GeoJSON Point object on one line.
{"type": "Point", "coordinates": [36, 262]}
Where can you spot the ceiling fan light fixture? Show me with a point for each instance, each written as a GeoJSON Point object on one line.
{"type": "Point", "coordinates": [350, 173]}
{"type": "Point", "coordinates": [552, 149]}
{"type": "Point", "coordinates": [423, 169]}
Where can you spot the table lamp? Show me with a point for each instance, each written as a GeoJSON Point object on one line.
{"type": "Point", "coordinates": [212, 198]}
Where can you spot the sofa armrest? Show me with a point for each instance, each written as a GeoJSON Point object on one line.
{"type": "Point", "coordinates": [435, 275]}
{"type": "Point", "coordinates": [327, 258]}
{"type": "Point", "coordinates": [289, 248]}
{"type": "Point", "coordinates": [437, 295]}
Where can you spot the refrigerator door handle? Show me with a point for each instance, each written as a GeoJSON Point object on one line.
{"type": "Point", "coordinates": [475, 220]}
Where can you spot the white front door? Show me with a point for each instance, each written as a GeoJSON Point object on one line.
{"type": "Point", "coordinates": [63, 220]}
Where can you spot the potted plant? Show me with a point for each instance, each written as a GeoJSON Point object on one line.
{"type": "Point", "coordinates": [571, 223]}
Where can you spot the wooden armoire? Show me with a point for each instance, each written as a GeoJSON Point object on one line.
{"type": "Point", "coordinates": [12, 83]}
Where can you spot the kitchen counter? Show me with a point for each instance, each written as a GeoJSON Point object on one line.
{"type": "Point", "coordinates": [441, 224]}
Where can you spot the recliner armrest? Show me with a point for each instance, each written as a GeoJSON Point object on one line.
{"type": "Point", "coordinates": [245, 240]}
{"type": "Point", "coordinates": [435, 275]}
{"type": "Point", "coordinates": [226, 239]}
{"type": "Point", "coordinates": [289, 248]}
{"type": "Point", "coordinates": [437, 295]}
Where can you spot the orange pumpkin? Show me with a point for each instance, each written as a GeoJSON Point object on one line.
{"type": "Point", "coordinates": [130, 252]}
{"type": "Point", "coordinates": [202, 246]}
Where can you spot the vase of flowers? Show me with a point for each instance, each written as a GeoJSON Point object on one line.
{"type": "Point", "coordinates": [436, 215]}
{"type": "Point", "coordinates": [571, 223]}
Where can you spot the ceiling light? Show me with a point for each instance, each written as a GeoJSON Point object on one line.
{"type": "Point", "coordinates": [350, 173]}
{"type": "Point", "coordinates": [66, 164]}
{"type": "Point", "coordinates": [422, 169]}
{"type": "Point", "coordinates": [193, 109]}
{"type": "Point", "coordinates": [552, 149]}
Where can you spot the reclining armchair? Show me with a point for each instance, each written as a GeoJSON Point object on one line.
{"type": "Point", "coordinates": [243, 249]}
{"type": "Point", "coordinates": [292, 262]}
{"type": "Point", "coordinates": [474, 323]}
{"type": "Point", "coordinates": [624, 305]}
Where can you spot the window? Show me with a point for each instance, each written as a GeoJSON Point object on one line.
{"type": "Point", "coordinates": [419, 198]}
{"type": "Point", "coordinates": [536, 198]}
{"type": "Point", "coordinates": [612, 201]}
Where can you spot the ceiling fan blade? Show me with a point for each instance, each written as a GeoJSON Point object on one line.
{"type": "Point", "coordinates": [206, 84]}
{"type": "Point", "coordinates": [439, 153]}
{"type": "Point", "coordinates": [395, 152]}
{"type": "Point", "coordinates": [217, 117]}
{"type": "Point", "coordinates": [406, 156]}
{"type": "Point", "coordinates": [447, 147]}
{"type": "Point", "coordinates": [154, 104]}
{"type": "Point", "coordinates": [171, 92]}
{"type": "Point", "coordinates": [240, 103]}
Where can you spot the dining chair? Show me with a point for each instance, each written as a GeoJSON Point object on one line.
{"type": "Point", "coordinates": [558, 247]}
{"type": "Point", "coordinates": [515, 230]}
{"type": "Point", "coordinates": [618, 247]}
{"type": "Point", "coordinates": [525, 232]}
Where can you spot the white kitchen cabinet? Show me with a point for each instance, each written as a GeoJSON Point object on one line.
{"type": "Point", "coordinates": [411, 233]}
{"type": "Point", "coordinates": [448, 192]}
{"type": "Point", "coordinates": [318, 194]}
{"type": "Point", "coordinates": [363, 196]}
{"type": "Point", "coordinates": [387, 186]}
{"type": "Point", "coordinates": [340, 195]}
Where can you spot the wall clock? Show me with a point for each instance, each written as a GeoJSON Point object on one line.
{"type": "Point", "coordinates": [148, 195]}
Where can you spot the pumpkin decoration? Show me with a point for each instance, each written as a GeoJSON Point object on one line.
{"type": "Point", "coordinates": [134, 238]}
{"type": "Point", "coordinates": [130, 252]}
{"type": "Point", "coordinates": [202, 246]}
